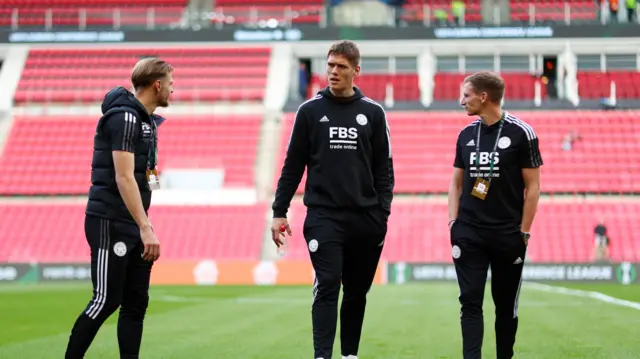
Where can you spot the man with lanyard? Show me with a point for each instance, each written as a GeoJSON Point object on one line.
{"type": "Point", "coordinates": [493, 198]}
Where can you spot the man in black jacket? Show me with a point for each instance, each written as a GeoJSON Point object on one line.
{"type": "Point", "coordinates": [342, 138]}
{"type": "Point", "coordinates": [117, 228]}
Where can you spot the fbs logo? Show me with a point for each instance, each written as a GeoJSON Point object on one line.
{"type": "Point", "coordinates": [485, 157]}
{"type": "Point", "coordinates": [482, 164]}
{"type": "Point", "coordinates": [350, 133]}
{"type": "Point", "coordinates": [343, 138]}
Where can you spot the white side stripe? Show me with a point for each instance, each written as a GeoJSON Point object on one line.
{"type": "Point", "coordinates": [534, 153]}
{"type": "Point", "coordinates": [101, 271]}
{"type": "Point", "coordinates": [386, 122]}
{"type": "Point", "coordinates": [128, 142]}
{"type": "Point", "coordinates": [315, 287]}
{"type": "Point", "coordinates": [525, 126]}
{"type": "Point", "coordinates": [517, 300]}
{"type": "Point", "coordinates": [584, 294]}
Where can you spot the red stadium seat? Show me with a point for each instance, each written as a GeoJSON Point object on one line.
{"type": "Point", "coordinates": [417, 232]}
{"type": "Point", "coordinates": [519, 86]}
{"type": "Point", "coordinates": [563, 232]}
{"type": "Point", "coordinates": [54, 232]}
{"type": "Point", "coordinates": [596, 84]}
{"type": "Point", "coordinates": [374, 86]}
{"type": "Point", "coordinates": [57, 151]}
{"type": "Point", "coordinates": [90, 12]}
{"type": "Point", "coordinates": [553, 10]}
{"type": "Point", "coordinates": [200, 75]}
{"type": "Point", "coordinates": [605, 160]}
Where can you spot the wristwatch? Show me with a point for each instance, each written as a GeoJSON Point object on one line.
{"type": "Point", "coordinates": [525, 235]}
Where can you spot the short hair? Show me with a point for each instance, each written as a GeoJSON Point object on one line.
{"type": "Point", "coordinates": [348, 49]}
{"type": "Point", "coordinates": [489, 82]}
{"type": "Point", "coordinates": [149, 70]}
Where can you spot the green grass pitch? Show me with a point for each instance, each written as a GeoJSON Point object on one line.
{"type": "Point", "coordinates": [416, 321]}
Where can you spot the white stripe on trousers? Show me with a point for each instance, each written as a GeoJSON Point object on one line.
{"type": "Point", "coordinates": [101, 271]}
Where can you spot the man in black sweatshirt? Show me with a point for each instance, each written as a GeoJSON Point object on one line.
{"type": "Point", "coordinates": [123, 174]}
{"type": "Point", "coordinates": [343, 139]}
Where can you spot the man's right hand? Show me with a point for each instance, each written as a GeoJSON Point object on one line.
{"type": "Point", "coordinates": [275, 230]}
{"type": "Point", "coordinates": [151, 244]}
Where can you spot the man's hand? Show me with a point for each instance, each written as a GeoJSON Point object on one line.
{"type": "Point", "coordinates": [276, 232]}
{"type": "Point", "coordinates": [151, 244]}
{"type": "Point", "coordinates": [525, 238]}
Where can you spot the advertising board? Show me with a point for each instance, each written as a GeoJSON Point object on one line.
{"type": "Point", "coordinates": [203, 272]}
{"type": "Point", "coordinates": [237, 33]}
{"type": "Point", "coordinates": [18, 273]}
{"type": "Point", "coordinates": [623, 273]}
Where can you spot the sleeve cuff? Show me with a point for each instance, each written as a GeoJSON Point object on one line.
{"type": "Point", "coordinates": [279, 213]}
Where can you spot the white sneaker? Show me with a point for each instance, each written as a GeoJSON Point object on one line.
{"type": "Point", "coordinates": [349, 357]}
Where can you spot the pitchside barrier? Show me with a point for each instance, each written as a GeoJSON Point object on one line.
{"type": "Point", "coordinates": [211, 272]}
{"type": "Point", "coordinates": [204, 272]}
{"type": "Point", "coordinates": [623, 273]}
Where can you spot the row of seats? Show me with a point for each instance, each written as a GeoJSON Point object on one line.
{"type": "Point", "coordinates": [417, 232]}
{"type": "Point", "coordinates": [103, 3]}
{"type": "Point", "coordinates": [52, 155]}
{"type": "Point", "coordinates": [233, 74]}
{"type": "Point", "coordinates": [308, 11]}
{"type": "Point", "coordinates": [66, 12]}
{"type": "Point", "coordinates": [92, 16]}
{"type": "Point", "coordinates": [597, 84]}
{"type": "Point", "coordinates": [200, 74]}
{"type": "Point", "coordinates": [563, 232]}
{"type": "Point", "coordinates": [604, 160]}
{"type": "Point", "coordinates": [405, 87]}
{"type": "Point", "coordinates": [519, 86]}
{"type": "Point", "coordinates": [165, 12]}
{"type": "Point", "coordinates": [554, 10]}
{"type": "Point", "coordinates": [55, 232]}
{"type": "Point", "coordinates": [89, 12]}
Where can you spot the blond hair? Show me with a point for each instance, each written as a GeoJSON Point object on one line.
{"type": "Point", "coordinates": [149, 70]}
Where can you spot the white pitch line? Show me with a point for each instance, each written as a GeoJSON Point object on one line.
{"type": "Point", "coordinates": [305, 301]}
{"type": "Point", "coordinates": [583, 294]}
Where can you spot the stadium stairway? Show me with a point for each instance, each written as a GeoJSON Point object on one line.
{"type": "Point", "coordinates": [13, 63]}
{"type": "Point", "coordinates": [12, 66]}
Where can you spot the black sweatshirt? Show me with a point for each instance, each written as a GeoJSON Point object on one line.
{"type": "Point", "coordinates": [345, 145]}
